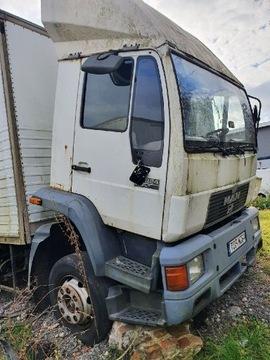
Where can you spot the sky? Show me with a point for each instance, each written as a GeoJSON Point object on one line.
{"type": "Point", "coordinates": [237, 31]}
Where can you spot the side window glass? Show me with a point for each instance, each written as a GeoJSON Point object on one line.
{"type": "Point", "coordinates": [107, 98]}
{"type": "Point", "coordinates": [147, 122]}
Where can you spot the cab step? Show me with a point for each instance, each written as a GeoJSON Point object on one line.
{"type": "Point", "coordinates": [138, 316]}
{"type": "Point", "coordinates": [134, 307]}
{"type": "Point", "coordinates": [129, 272]}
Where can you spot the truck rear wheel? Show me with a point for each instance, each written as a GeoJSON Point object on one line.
{"type": "Point", "coordinates": [80, 306]}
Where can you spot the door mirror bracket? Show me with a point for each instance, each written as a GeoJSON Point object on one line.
{"type": "Point", "coordinates": [140, 174]}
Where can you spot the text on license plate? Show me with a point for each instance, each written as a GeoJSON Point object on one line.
{"type": "Point", "coordinates": [236, 243]}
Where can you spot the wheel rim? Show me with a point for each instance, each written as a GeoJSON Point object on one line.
{"type": "Point", "coordinates": [74, 302]}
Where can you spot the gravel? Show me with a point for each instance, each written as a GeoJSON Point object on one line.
{"type": "Point", "coordinates": [249, 298]}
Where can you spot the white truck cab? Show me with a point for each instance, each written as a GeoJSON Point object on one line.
{"type": "Point", "coordinates": [153, 164]}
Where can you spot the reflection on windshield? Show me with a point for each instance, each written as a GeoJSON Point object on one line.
{"type": "Point", "coordinates": [215, 111]}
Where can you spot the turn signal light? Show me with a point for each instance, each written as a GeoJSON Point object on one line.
{"type": "Point", "coordinates": [177, 278]}
{"type": "Point", "coordinates": [34, 200]}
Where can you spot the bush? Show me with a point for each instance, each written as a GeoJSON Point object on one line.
{"type": "Point", "coordinates": [262, 203]}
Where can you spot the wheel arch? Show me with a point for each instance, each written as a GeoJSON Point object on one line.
{"type": "Point", "coordinates": [99, 241]}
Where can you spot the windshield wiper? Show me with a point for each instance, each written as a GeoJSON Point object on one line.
{"type": "Point", "coordinates": [242, 148]}
{"type": "Point", "coordinates": [237, 148]}
{"type": "Point", "coordinates": [216, 144]}
{"type": "Point", "coordinates": [219, 132]}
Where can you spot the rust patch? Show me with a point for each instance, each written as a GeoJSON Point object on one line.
{"type": "Point", "coordinates": [58, 186]}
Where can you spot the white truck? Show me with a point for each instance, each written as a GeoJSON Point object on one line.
{"type": "Point", "coordinates": [153, 167]}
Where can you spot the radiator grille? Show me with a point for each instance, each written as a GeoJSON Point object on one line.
{"type": "Point", "coordinates": [225, 203]}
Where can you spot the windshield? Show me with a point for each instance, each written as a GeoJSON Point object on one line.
{"type": "Point", "coordinates": [217, 114]}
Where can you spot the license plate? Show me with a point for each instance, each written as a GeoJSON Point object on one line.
{"type": "Point", "coordinates": [236, 243]}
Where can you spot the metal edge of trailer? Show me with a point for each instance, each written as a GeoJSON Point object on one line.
{"type": "Point", "coordinates": [6, 16]}
{"type": "Point", "coordinates": [23, 218]}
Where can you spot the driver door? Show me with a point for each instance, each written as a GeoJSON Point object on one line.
{"type": "Point", "coordinates": [122, 121]}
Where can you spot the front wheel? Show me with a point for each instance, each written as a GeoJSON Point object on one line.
{"type": "Point", "coordinates": [79, 302]}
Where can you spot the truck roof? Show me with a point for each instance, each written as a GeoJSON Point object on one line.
{"type": "Point", "coordinates": [90, 26]}
{"type": "Point", "coordinates": [5, 16]}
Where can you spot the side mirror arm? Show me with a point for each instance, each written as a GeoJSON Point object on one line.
{"type": "Point", "coordinates": [259, 108]}
{"type": "Point", "coordinates": [256, 112]}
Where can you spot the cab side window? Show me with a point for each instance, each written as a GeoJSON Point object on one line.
{"type": "Point", "coordinates": [107, 98]}
{"type": "Point", "coordinates": [147, 120]}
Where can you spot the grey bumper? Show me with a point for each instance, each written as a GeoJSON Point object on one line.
{"type": "Point", "coordinates": [221, 270]}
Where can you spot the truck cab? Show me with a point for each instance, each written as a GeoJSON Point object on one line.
{"type": "Point", "coordinates": [153, 168]}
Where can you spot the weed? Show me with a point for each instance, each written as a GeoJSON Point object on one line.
{"type": "Point", "coordinates": [18, 334]}
{"type": "Point", "coordinates": [262, 203]}
{"type": "Point", "coordinates": [113, 353]}
{"type": "Point", "coordinates": [247, 341]}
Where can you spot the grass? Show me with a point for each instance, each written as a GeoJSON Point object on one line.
{"type": "Point", "coordinates": [262, 203]}
{"type": "Point", "coordinates": [18, 335]}
{"type": "Point", "coordinates": [265, 253]}
{"type": "Point", "coordinates": [246, 341]}
{"type": "Point", "coordinates": [265, 225]}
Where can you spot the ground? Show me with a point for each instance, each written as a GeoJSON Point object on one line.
{"type": "Point", "coordinates": [236, 327]}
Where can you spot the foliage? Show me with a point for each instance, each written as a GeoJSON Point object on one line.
{"type": "Point", "coordinates": [246, 341]}
{"type": "Point", "coordinates": [18, 334]}
{"type": "Point", "coordinates": [262, 203]}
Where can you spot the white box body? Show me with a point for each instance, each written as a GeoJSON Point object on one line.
{"type": "Point", "coordinates": [27, 95]}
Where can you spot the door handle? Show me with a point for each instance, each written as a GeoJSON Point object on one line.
{"type": "Point", "coordinates": [81, 168]}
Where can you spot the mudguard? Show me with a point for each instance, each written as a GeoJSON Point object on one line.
{"type": "Point", "coordinates": [100, 241]}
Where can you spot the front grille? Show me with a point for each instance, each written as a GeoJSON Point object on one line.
{"type": "Point", "coordinates": [225, 203]}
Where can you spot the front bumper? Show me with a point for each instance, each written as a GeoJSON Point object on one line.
{"type": "Point", "coordinates": [221, 270]}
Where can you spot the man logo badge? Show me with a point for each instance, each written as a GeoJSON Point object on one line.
{"type": "Point", "coordinates": [232, 198]}
{"type": "Point", "coordinates": [230, 201]}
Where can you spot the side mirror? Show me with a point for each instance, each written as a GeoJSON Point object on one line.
{"type": "Point", "coordinates": [256, 111]}
{"type": "Point", "coordinates": [102, 64]}
{"type": "Point", "coordinates": [231, 124]}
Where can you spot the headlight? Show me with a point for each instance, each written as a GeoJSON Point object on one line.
{"type": "Point", "coordinates": [255, 224]}
{"type": "Point", "coordinates": [195, 269]}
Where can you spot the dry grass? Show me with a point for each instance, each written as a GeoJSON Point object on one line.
{"type": "Point", "coordinates": [265, 253]}
{"type": "Point", "coordinates": [265, 225]}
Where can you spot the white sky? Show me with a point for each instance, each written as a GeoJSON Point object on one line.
{"type": "Point", "coordinates": [237, 31]}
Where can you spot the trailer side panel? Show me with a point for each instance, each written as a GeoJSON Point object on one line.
{"type": "Point", "coordinates": [33, 68]}
{"type": "Point", "coordinates": [9, 223]}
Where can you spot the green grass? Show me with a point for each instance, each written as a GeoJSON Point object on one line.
{"type": "Point", "coordinates": [262, 203]}
{"type": "Point", "coordinates": [18, 335]}
{"type": "Point", "coordinates": [246, 341]}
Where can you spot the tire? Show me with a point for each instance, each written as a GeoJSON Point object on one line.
{"type": "Point", "coordinates": [64, 277]}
